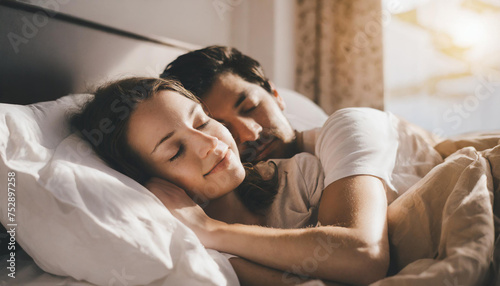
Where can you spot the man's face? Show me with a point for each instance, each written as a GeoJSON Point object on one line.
{"type": "Point", "coordinates": [253, 116]}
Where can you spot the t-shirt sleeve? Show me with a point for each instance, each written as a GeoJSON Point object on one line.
{"type": "Point", "coordinates": [358, 141]}
{"type": "Point", "coordinates": [297, 201]}
{"type": "Point", "coordinates": [312, 174]}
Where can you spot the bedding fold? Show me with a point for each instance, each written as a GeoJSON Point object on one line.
{"type": "Point", "coordinates": [442, 230]}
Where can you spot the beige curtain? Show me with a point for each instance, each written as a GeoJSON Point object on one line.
{"type": "Point", "coordinates": [339, 53]}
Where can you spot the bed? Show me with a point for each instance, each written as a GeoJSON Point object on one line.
{"type": "Point", "coordinates": [74, 231]}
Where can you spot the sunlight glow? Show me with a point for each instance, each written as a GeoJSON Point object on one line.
{"type": "Point", "coordinates": [469, 31]}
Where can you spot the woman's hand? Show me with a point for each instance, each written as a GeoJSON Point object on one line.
{"type": "Point", "coordinates": [183, 208]}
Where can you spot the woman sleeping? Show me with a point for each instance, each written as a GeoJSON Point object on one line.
{"type": "Point", "coordinates": [159, 134]}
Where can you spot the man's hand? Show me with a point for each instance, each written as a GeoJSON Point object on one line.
{"type": "Point", "coordinates": [183, 208]}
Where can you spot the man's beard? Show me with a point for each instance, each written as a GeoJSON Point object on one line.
{"type": "Point", "coordinates": [270, 144]}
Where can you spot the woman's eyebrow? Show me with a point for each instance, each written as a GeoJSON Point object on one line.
{"type": "Point", "coordinates": [163, 140]}
{"type": "Point", "coordinates": [170, 134]}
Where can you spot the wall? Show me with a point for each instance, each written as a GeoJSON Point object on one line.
{"type": "Point", "coordinates": [192, 21]}
{"type": "Point", "coordinates": [261, 28]}
{"type": "Point", "coordinates": [264, 30]}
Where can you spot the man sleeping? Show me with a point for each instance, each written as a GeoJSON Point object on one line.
{"type": "Point", "coordinates": [236, 92]}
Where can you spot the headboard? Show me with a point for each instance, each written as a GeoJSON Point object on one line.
{"type": "Point", "coordinates": [46, 54]}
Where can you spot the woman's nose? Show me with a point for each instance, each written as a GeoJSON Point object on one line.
{"type": "Point", "coordinates": [247, 130]}
{"type": "Point", "coordinates": [204, 144]}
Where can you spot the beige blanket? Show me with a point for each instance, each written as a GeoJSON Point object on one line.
{"type": "Point", "coordinates": [442, 230]}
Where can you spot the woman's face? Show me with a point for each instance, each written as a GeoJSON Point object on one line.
{"type": "Point", "coordinates": [180, 143]}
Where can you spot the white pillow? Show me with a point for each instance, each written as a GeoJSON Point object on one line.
{"type": "Point", "coordinates": [78, 217]}
{"type": "Point", "coordinates": [301, 112]}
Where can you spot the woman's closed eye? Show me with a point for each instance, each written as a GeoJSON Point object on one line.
{"type": "Point", "coordinates": [181, 150]}
{"type": "Point", "coordinates": [203, 125]}
{"type": "Point", "coordinates": [179, 153]}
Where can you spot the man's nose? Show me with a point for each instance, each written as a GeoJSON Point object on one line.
{"type": "Point", "coordinates": [247, 130]}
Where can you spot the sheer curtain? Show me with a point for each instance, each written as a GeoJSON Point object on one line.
{"type": "Point", "coordinates": [339, 53]}
{"type": "Point", "coordinates": [442, 63]}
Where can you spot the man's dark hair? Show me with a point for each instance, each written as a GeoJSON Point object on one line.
{"type": "Point", "coordinates": [198, 70]}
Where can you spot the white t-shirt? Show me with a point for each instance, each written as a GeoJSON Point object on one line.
{"type": "Point", "coordinates": [365, 141]}
{"type": "Point", "coordinates": [353, 141]}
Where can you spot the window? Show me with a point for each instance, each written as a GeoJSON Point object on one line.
{"type": "Point", "coordinates": [442, 64]}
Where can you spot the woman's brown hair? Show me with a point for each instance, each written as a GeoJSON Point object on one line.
{"type": "Point", "coordinates": [103, 123]}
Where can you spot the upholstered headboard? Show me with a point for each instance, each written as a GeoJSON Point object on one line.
{"type": "Point", "coordinates": [46, 54]}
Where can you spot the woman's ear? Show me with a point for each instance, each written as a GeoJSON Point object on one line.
{"type": "Point", "coordinates": [279, 99]}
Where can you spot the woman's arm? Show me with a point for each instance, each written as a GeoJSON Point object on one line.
{"type": "Point", "coordinates": [350, 247]}
{"type": "Point", "coordinates": [250, 273]}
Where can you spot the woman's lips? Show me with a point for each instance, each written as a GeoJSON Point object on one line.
{"type": "Point", "coordinates": [221, 165]}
